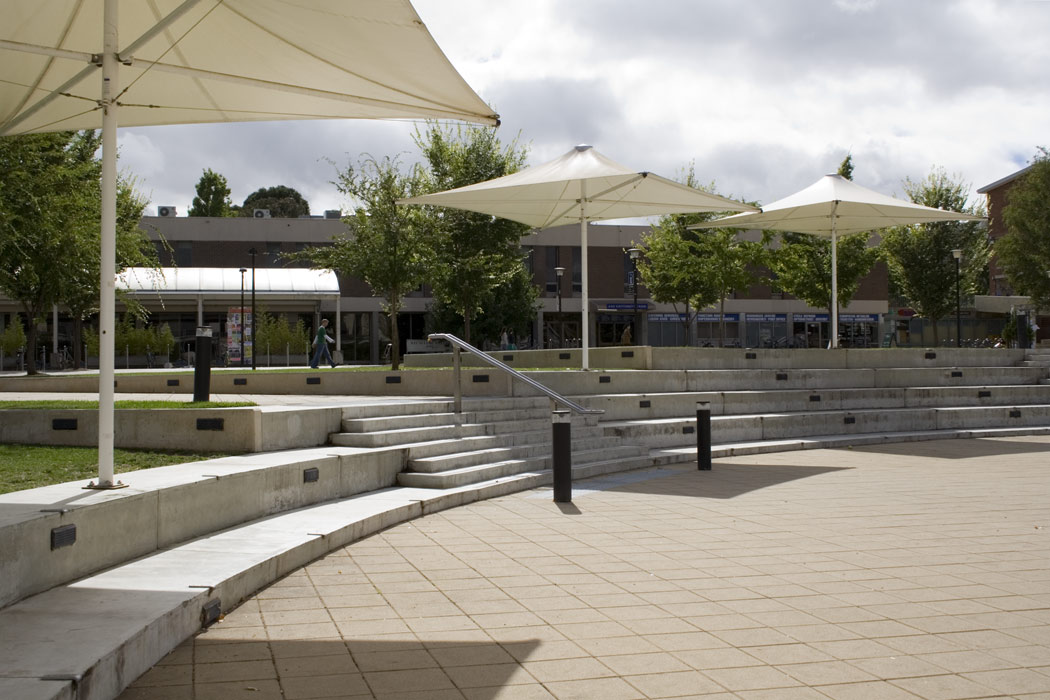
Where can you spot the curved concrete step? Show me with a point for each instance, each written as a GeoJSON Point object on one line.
{"type": "Point", "coordinates": [666, 432]}
{"type": "Point", "coordinates": [620, 456]}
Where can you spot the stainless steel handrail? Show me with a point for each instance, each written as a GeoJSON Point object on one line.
{"type": "Point", "coordinates": [458, 343]}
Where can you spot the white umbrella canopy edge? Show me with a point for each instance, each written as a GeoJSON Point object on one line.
{"type": "Point", "coordinates": [831, 206]}
{"type": "Point", "coordinates": [579, 186]}
{"type": "Point", "coordinates": [549, 194]}
{"type": "Point", "coordinates": [46, 78]}
{"type": "Point", "coordinates": [201, 61]}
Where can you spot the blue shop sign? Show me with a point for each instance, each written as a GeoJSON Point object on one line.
{"type": "Point", "coordinates": [714, 318]}
{"type": "Point", "coordinates": [774, 318]}
{"type": "Point", "coordinates": [812, 318]}
{"type": "Point", "coordinates": [642, 306]}
{"type": "Point", "coordinates": [859, 318]}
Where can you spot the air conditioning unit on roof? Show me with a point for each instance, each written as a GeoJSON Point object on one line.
{"type": "Point", "coordinates": [166, 211]}
{"type": "Point", "coordinates": [261, 213]}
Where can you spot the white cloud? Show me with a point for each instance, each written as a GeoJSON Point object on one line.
{"type": "Point", "coordinates": [764, 95]}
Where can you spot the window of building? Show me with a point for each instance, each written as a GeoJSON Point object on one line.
{"type": "Point", "coordinates": [184, 254]}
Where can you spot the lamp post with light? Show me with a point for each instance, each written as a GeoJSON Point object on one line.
{"type": "Point", "coordinates": [559, 272]}
{"type": "Point", "coordinates": [252, 252]}
{"type": "Point", "coordinates": [957, 254]}
{"type": "Point", "coordinates": [635, 253]}
{"type": "Point", "coordinates": [243, 270]}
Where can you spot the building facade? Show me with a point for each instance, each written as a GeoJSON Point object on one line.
{"type": "Point", "coordinates": [761, 316]}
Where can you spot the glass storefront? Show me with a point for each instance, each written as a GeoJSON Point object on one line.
{"type": "Point", "coordinates": [707, 330]}
{"type": "Point", "coordinates": [766, 330]}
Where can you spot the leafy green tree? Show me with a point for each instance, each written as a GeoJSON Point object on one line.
{"type": "Point", "coordinates": [694, 269]}
{"type": "Point", "coordinates": [731, 265]}
{"type": "Point", "coordinates": [282, 201]}
{"type": "Point", "coordinates": [386, 245]}
{"type": "Point", "coordinates": [511, 306]}
{"type": "Point", "coordinates": [1024, 252]}
{"type": "Point", "coordinates": [13, 337]}
{"type": "Point", "coordinates": [920, 257]}
{"type": "Point", "coordinates": [213, 196]}
{"type": "Point", "coordinates": [801, 265]}
{"type": "Point", "coordinates": [80, 281]}
{"type": "Point", "coordinates": [49, 224]}
{"type": "Point", "coordinates": [472, 254]}
{"type": "Point", "coordinates": [275, 335]}
{"type": "Point", "coordinates": [673, 272]}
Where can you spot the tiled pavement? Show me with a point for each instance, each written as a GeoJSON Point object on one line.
{"type": "Point", "coordinates": [902, 571]}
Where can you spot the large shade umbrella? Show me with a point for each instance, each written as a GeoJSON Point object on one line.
{"type": "Point", "coordinates": [831, 206]}
{"type": "Point", "coordinates": [580, 186]}
{"type": "Point", "coordinates": [63, 66]}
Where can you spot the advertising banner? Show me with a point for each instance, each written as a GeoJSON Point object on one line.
{"type": "Point", "coordinates": [238, 320]}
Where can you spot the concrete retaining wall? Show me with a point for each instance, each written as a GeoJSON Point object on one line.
{"type": "Point", "coordinates": [167, 505]}
{"type": "Point", "coordinates": [680, 432]}
{"type": "Point", "coordinates": [669, 358]}
{"type": "Point", "coordinates": [249, 429]}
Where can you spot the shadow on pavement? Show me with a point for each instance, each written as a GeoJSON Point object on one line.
{"type": "Point", "coordinates": [238, 665]}
{"type": "Point", "coordinates": [725, 480]}
{"type": "Point", "coordinates": [963, 448]}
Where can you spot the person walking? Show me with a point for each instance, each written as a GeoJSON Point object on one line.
{"type": "Point", "coordinates": [321, 342]}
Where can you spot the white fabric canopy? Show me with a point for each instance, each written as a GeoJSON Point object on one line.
{"type": "Point", "coordinates": [580, 186]}
{"type": "Point", "coordinates": [831, 206]}
{"type": "Point", "coordinates": [86, 64]}
{"type": "Point", "coordinates": [550, 194]}
{"type": "Point", "coordinates": [836, 205]}
{"type": "Point", "coordinates": [226, 60]}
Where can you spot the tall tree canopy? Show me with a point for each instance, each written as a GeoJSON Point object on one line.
{"type": "Point", "coordinates": [1024, 252]}
{"type": "Point", "coordinates": [694, 269]}
{"type": "Point", "coordinates": [213, 196]}
{"type": "Point", "coordinates": [920, 258]}
{"type": "Point", "coordinates": [49, 225]}
{"type": "Point", "coordinates": [282, 201]}
{"type": "Point", "coordinates": [386, 245]}
{"type": "Point", "coordinates": [472, 254]}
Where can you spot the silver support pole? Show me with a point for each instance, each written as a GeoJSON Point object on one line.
{"type": "Point", "coordinates": [107, 275]}
{"type": "Point", "coordinates": [834, 281]}
{"type": "Point", "coordinates": [585, 323]}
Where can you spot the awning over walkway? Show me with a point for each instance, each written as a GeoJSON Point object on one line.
{"type": "Point", "coordinates": [288, 284]}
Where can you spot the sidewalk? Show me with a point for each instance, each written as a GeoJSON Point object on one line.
{"type": "Point", "coordinates": [900, 571]}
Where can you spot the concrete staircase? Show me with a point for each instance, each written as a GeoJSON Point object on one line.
{"type": "Point", "coordinates": [1038, 357]}
{"type": "Point", "coordinates": [664, 420]}
{"type": "Point", "coordinates": [493, 438]}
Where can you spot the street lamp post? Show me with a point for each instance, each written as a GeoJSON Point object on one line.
{"type": "Point", "coordinates": [636, 253]}
{"type": "Point", "coordinates": [251, 252]}
{"type": "Point", "coordinates": [243, 270]}
{"type": "Point", "coordinates": [957, 254]}
{"type": "Point", "coordinates": [559, 272]}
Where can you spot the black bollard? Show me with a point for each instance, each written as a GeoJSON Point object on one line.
{"type": "Point", "coordinates": [202, 365]}
{"type": "Point", "coordinates": [703, 435]}
{"type": "Point", "coordinates": [561, 462]}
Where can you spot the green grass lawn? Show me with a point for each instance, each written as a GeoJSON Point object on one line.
{"type": "Point", "coordinates": [30, 466]}
{"type": "Point", "coordinates": [64, 404]}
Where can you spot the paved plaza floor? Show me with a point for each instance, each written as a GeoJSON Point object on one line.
{"type": "Point", "coordinates": [901, 571]}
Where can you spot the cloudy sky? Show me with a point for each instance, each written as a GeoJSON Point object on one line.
{"type": "Point", "coordinates": [764, 96]}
